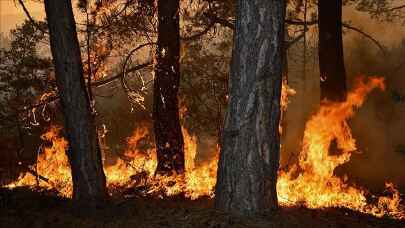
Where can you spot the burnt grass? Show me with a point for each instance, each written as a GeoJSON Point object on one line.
{"type": "Point", "coordinates": [22, 207]}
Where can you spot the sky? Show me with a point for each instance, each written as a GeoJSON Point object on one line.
{"type": "Point", "coordinates": [12, 14]}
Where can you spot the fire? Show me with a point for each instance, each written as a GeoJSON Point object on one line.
{"type": "Point", "coordinates": [52, 170]}
{"type": "Point", "coordinates": [198, 180]}
{"type": "Point", "coordinates": [328, 143]}
{"type": "Point", "coordinates": [135, 168]}
{"type": "Point", "coordinates": [286, 91]}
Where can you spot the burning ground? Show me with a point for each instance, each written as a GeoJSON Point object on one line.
{"type": "Point", "coordinates": [309, 192]}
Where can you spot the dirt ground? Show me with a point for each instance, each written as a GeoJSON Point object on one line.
{"type": "Point", "coordinates": [22, 207]}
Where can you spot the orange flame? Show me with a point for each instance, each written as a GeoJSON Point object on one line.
{"type": "Point", "coordinates": [52, 166]}
{"type": "Point", "coordinates": [286, 91]}
{"type": "Point", "coordinates": [136, 166]}
{"type": "Point", "coordinates": [328, 143]}
{"type": "Point", "coordinates": [312, 182]}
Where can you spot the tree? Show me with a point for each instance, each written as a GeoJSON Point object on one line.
{"type": "Point", "coordinates": [84, 152]}
{"type": "Point", "coordinates": [331, 59]}
{"type": "Point", "coordinates": [249, 158]}
{"type": "Point", "coordinates": [24, 73]}
{"type": "Point", "coordinates": [168, 135]}
{"type": "Point", "coordinates": [384, 10]}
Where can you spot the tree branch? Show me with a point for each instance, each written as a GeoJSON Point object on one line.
{"type": "Point", "coordinates": [288, 44]}
{"type": "Point", "coordinates": [397, 8]}
{"type": "Point", "coordinates": [120, 75]}
{"type": "Point", "coordinates": [381, 47]}
{"type": "Point", "coordinates": [345, 25]}
{"type": "Point", "coordinates": [93, 84]}
{"type": "Point", "coordinates": [294, 22]}
{"type": "Point", "coordinates": [31, 19]}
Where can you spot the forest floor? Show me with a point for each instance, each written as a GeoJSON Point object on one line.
{"type": "Point", "coordinates": [22, 207]}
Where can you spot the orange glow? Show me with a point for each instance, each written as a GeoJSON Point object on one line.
{"type": "Point", "coordinates": [286, 91]}
{"type": "Point", "coordinates": [312, 182]}
{"type": "Point", "coordinates": [52, 164]}
{"type": "Point", "coordinates": [328, 143]}
{"type": "Point", "coordinates": [135, 168]}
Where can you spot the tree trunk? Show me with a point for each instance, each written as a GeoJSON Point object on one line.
{"type": "Point", "coordinates": [168, 135]}
{"type": "Point", "coordinates": [249, 159]}
{"type": "Point", "coordinates": [84, 153]}
{"type": "Point", "coordinates": [331, 59]}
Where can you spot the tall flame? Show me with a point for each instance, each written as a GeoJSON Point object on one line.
{"type": "Point", "coordinates": [52, 170]}
{"type": "Point", "coordinates": [328, 143]}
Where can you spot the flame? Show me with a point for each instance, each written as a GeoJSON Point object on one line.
{"type": "Point", "coordinates": [197, 181]}
{"type": "Point", "coordinates": [135, 168]}
{"type": "Point", "coordinates": [328, 143]}
{"type": "Point", "coordinates": [312, 182]}
{"type": "Point", "coordinates": [286, 91]}
{"type": "Point", "coordinates": [52, 170]}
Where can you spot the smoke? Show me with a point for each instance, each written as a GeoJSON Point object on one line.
{"type": "Point", "coordinates": [379, 124]}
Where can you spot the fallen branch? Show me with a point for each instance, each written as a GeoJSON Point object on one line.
{"type": "Point", "coordinates": [40, 177]}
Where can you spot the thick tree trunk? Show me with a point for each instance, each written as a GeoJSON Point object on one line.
{"type": "Point", "coordinates": [249, 159]}
{"type": "Point", "coordinates": [168, 135]}
{"type": "Point", "coordinates": [84, 153]}
{"type": "Point", "coordinates": [331, 59]}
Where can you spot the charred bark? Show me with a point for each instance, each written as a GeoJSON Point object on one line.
{"type": "Point", "coordinates": [331, 59]}
{"type": "Point", "coordinates": [84, 153]}
{"type": "Point", "coordinates": [168, 135]}
{"type": "Point", "coordinates": [249, 159]}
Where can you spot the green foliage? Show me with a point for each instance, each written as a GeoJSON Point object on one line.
{"type": "Point", "coordinates": [24, 73]}
{"type": "Point", "coordinates": [384, 10]}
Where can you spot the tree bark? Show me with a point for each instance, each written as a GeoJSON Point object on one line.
{"type": "Point", "coordinates": [168, 134]}
{"type": "Point", "coordinates": [84, 152]}
{"type": "Point", "coordinates": [249, 159]}
{"type": "Point", "coordinates": [331, 59]}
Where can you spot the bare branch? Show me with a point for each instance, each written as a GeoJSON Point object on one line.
{"type": "Point", "coordinates": [93, 84]}
{"type": "Point", "coordinates": [120, 75]}
{"type": "Point", "coordinates": [397, 8]}
{"type": "Point", "coordinates": [290, 43]}
{"type": "Point", "coordinates": [345, 25]}
{"type": "Point", "coordinates": [31, 19]}
{"type": "Point", "coordinates": [124, 71]}
{"type": "Point", "coordinates": [294, 22]}
{"type": "Point", "coordinates": [381, 47]}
